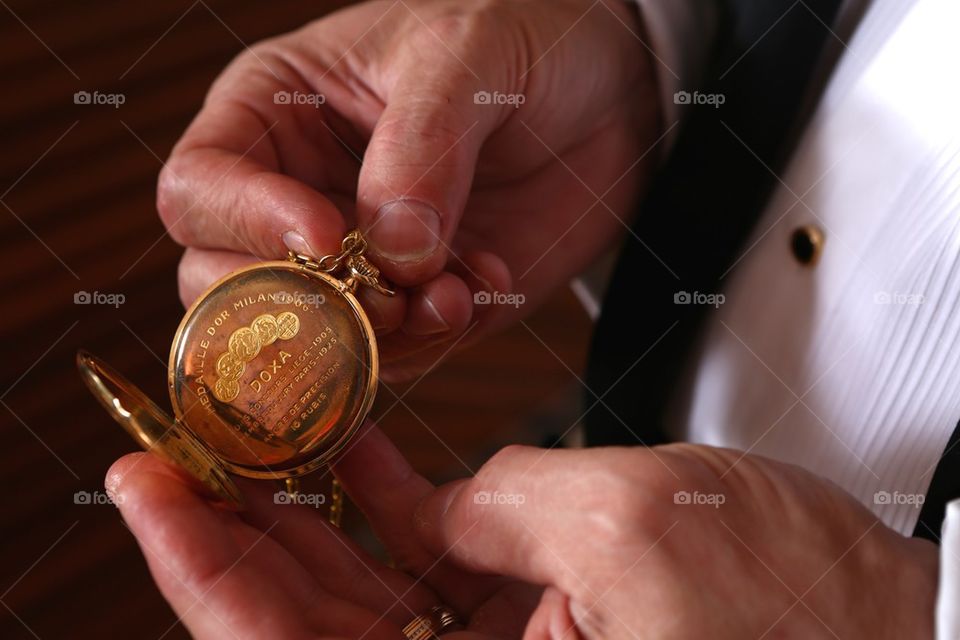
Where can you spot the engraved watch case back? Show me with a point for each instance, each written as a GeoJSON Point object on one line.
{"type": "Point", "coordinates": [274, 368]}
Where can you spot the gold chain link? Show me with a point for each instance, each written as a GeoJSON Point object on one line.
{"type": "Point", "coordinates": [335, 514]}
{"type": "Point", "coordinates": [353, 244]}
{"type": "Point", "coordinates": [357, 268]}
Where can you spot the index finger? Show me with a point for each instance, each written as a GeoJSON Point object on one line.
{"type": "Point", "coordinates": [247, 174]}
{"type": "Point", "coordinates": [387, 489]}
{"type": "Point", "coordinates": [535, 515]}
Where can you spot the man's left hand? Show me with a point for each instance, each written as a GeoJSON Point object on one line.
{"type": "Point", "coordinates": [684, 541]}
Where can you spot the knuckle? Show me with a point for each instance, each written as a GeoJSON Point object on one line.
{"type": "Point", "coordinates": [253, 56]}
{"type": "Point", "coordinates": [498, 471]}
{"type": "Point", "coordinates": [254, 66]}
{"type": "Point", "coordinates": [627, 502]}
{"type": "Point", "coordinates": [616, 510]}
{"type": "Point", "coordinates": [445, 29]}
{"type": "Point", "coordinates": [702, 463]}
{"type": "Point", "coordinates": [502, 460]}
{"type": "Point", "coordinates": [465, 24]}
{"type": "Point", "coordinates": [248, 223]}
{"type": "Point", "coordinates": [429, 120]}
{"type": "Point", "coordinates": [458, 40]}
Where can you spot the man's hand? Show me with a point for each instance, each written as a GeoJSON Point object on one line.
{"type": "Point", "coordinates": [684, 541]}
{"type": "Point", "coordinates": [459, 191]}
{"type": "Point", "coordinates": [282, 571]}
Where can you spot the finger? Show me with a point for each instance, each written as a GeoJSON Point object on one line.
{"type": "Point", "coordinates": [552, 619]}
{"type": "Point", "coordinates": [438, 313]}
{"type": "Point", "coordinates": [507, 613]}
{"type": "Point", "coordinates": [337, 563]}
{"type": "Point", "coordinates": [222, 577]}
{"type": "Point", "coordinates": [518, 517]}
{"type": "Point", "coordinates": [386, 313]}
{"type": "Point", "coordinates": [419, 165]}
{"type": "Point", "coordinates": [476, 274]}
{"type": "Point", "coordinates": [199, 268]}
{"type": "Point", "coordinates": [222, 189]}
{"type": "Point", "coordinates": [486, 275]}
{"type": "Point", "coordinates": [448, 303]}
{"type": "Point", "coordinates": [441, 307]}
{"type": "Point", "coordinates": [387, 490]}
{"type": "Point", "coordinates": [388, 512]}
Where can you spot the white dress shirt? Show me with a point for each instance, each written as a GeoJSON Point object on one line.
{"type": "Point", "coordinates": [849, 367]}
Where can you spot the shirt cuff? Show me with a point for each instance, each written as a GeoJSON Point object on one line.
{"type": "Point", "coordinates": [948, 592]}
{"type": "Point", "coordinates": [681, 34]}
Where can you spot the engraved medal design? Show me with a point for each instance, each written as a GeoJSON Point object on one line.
{"type": "Point", "coordinates": [244, 345]}
{"type": "Point", "coordinates": [288, 324]}
{"type": "Point", "coordinates": [265, 327]}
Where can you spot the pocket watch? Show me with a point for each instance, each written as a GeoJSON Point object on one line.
{"type": "Point", "coordinates": [271, 373]}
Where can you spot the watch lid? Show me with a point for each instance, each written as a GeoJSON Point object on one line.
{"type": "Point", "coordinates": [155, 430]}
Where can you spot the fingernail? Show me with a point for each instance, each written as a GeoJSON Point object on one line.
{"type": "Point", "coordinates": [112, 483]}
{"type": "Point", "coordinates": [429, 323]}
{"type": "Point", "coordinates": [430, 513]}
{"type": "Point", "coordinates": [405, 230]}
{"type": "Point", "coordinates": [295, 242]}
{"type": "Point", "coordinates": [451, 496]}
{"type": "Point", "coordinates": [376, 317]}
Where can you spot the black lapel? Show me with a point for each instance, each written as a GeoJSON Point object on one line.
{"type": "Point", "coordinates": [944, 487]}
{"type": "Point", "coordinates": [694, 222]}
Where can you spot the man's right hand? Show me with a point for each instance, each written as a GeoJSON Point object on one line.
{"type": "Point", "coordinates": [459, 191]}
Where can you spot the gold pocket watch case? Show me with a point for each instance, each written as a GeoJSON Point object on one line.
{"type": "Point", "coordinates": [271, 373]}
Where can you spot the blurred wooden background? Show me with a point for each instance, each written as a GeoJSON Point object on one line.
{"type": "Point", "coordinates": [77, 212]}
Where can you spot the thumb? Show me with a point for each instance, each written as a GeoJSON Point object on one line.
{"type": "Point", "coordinates": [510, 519]}
{"type": "Point", "coordinates": [419, 166]}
